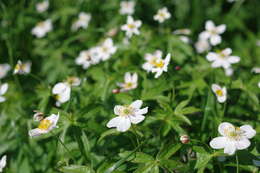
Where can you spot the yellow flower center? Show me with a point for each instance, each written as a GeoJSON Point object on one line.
{"type": "Point", "coordinates": [161, 14]}
{"type": "Point", "coordinates": [131, 26]}
{"type": "Point", "coordinates": [219, 93]}
{"type": "Point", "coordinates": [234, 134]}
{"type": "Point", "coordinates": [127, 110]}
{"type": "Point", "coordinates": [159, 64]}
{"type": "Point", "coordinates": [128, 85]}
{"type": "Point", "coordinates": [45, 124]}
{"type": "Point", "coordinates": [57, 97]}
{"type": "Point", "coordinates": [40, 24]}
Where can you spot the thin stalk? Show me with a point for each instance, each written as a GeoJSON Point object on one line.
{"type": "Point", "coordinates": [237, 163]}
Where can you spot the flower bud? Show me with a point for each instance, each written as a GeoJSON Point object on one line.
{"type": "Point", "coordinates": [185, 139]}
{"type": "Point", "coordinates": [116, 91]}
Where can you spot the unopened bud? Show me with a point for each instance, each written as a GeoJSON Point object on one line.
{"type": "Point", "coordinates": [116, 91]}
{"type": "Point", "coordinates": [38, 116]}
{"type": "Point", "coordinates": [177, 68]}
{"type": "Point", "coordinates": [185, 139]}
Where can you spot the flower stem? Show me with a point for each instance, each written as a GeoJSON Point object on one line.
{"type": "Point", "coordinates": [237, 163]}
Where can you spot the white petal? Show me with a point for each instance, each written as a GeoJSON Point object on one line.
{"type": "Point", "coordinates": [211, 56]}
{"type": "Point", "coordinates": [222, 99]}
{"type": "Point", "coordinates": [124, 124]}
{"type": "Point", "coordinates": [215, 87]}
{"type": "Point", "coordinates": [3, 162]}
{"type": "Point", "coordinates": [242, 144]}
{"type": "Point", "coordinates": [136, 119]}
{"type": "Point", "coordinates": [36, 132]}
{"type": "Point", "coordinates": [233, 59]}
{"type": "Point", "coordinates": [227, 51]}
{"type": "Point", "coordinates": [204, 35]}
{"type": "Point", "coordinates": [209, 25]}
{"type": "Point", "coordinates": [216, 64]}
{"type": "Point", "coordinates": [221, 28]}
{"type": "Point", "coordinates": [2, 99]}
{"type": "Point", "coordinates": [117, 109]}
{"type": "Point", "coordinates": [113, 122]}
{"type": "Point", "coordinates": [59, 88]}
{"type": "Point", "coordinates": [218, 142]}
{"type": "Point", "coordinates": [54, 119]}
{"type": "Point", "coordinates": [223, 127]}
{"type": "Point", "coordinates": [137, 104]}
{"type": "Point", "coordinates": [142, 111]}
{"type": "Point", "coordinates": [134, 78]}
{"type": "Point", "coordinates": [214, 40]}
{"type": "Point", "coordinates": [128, 77]}
{"type": "Point", "coordinates": [249, 131]}
{"type": "Point", "coordinates": [3, 88]}
{"type": "Point", "coordinates": [230, 148]}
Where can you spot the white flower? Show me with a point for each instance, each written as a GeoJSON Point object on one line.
{"type": "Point", "coordinates": [22, 68]}
{"type": "Point", "coordinates": [258, 42]}
{"type": "Point", "coordinates": [184, 39]}
{"type": "Point", "coordinates": [126, 115]}
{"type": "Point", "coordinates": [256, 70]}
{"type": "Point", "coordinates": [45, 126]}
{"type": "Point", "coordinates": [222, 58]}
{"type": "Point", "coordinates": [42, 6]}
{"type": "Point", "coordinates": [259, 84]}
{"type": "Point", "coordinates": [42, 28]}
{"type": "Point", "coordinates": [73, 81]}
{"type": "Point", "coordinates": [2, 163]}
{"type": "Point", "coordinates": [184, 31]}
{"type": "Point", "coordinates": [213, 32]}
{"type": "Point", "coordinates": [131, 27]}
{"type": "Point", "coordinates": [233, 138]}
{"type": "Point", "coordinates": [4, 68]}
{"type": "Point", "coordinates": [89, 57]}
{"type": "Point", "coordinates": [129, 83]}
{"type": "Point", "coordinates": [161, 65]}
{"type": "Point", "coordinates": [221, 93]}
{"type": "Point", "coordinates": [151, 60]}
{"type": "Point", "coordinates": [202, 46]}
{"type": "Point", "coordinates": [107, 49]}
{"type": "Point", "coordinates": [61, 92]}
{"type": "Point", "coordinates": [82, 22]}
{"type": "Point", "coordinates": [162, 15]}
{"type": "Point", "coordinates": [127, 7]}
{"type": "Point", "coordinates": [3, 89]}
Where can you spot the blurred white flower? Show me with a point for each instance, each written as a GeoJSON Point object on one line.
{"type": "Point", "coordinates": [184, 31]}
{"type": "Point", "coordinates": [184, 39]}
{"type": "Point", "coordinates": [256, 70]}
{"type": "Point", "coordinates": [230, 1]}
{"type": "Point", "coordinates": [61, 92]}
{"type": "Point", "coordinates": [212, 33]}
{"type": "Point", "coordinates": [258, 42]}
{"type": "Point", "coordinates": [4, 68]}
{"type": "Point", "coordinates": [162, 15]}
{"type": "Point", "coordinates": [2, 163]}
{"type": "Point", "coordinates": [129, 83]}
{"type": "Point", "coordinates": [127, 7]}
{"type": "Point", "coordinates": [151, 60]}
{"type": "Point", "coordinates": [106, 49]}
{"type": "Point", "coordinates": [45, 126]}
{"type": "Point", "coordinates": [202, 46]}
{"type": "Point", "coordinates": [42, 28]}
{"type": "Point", "coordinates": [126, 115]}
{"type": "Point", "coordinates": [89, 57]}
{"type": "Point", "coordinates": [131, 27]}
{"type": "Point", "coordinates": [3, 89]}
{"type": "Point", "coordinates": [22, 68]}
{"type": "Point", "coordinates": [233, 138]}
{"type": "Point", "coordinates": [42, 6]}
{"type": "Point", "coordinates": [73, 81]}
{"type": "Point", "coordinates": [82, 22]}
{"type": "Point", "coordinates": [222, 58]}
{"type": "Point", "coordinates": [221, 93]}
{"type": "Point", "coordinates": [259, 84]}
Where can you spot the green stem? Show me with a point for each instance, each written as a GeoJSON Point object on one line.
{"type": "Point", "coordinates": [237, 163]}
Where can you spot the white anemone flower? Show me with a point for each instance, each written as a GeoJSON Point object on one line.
{"type": "Point", "coordinates": [221, 93]}
{"type": "Point", "coordinates": [184, 31]}
{"type": "Point", "coordinates": [107, 49]}
{"type": "Point", "coordinates": [3, 90]}
{"type": "Point", "coordinates": [222, 59]}
{"type": "Point", "coordinates": [233, 138]}
{"type": "Point", "coordinates": [42, 28]}
{"type": "Point", "coordinates": [42, 6]}
{"type": "Point", "coordinates": [130, 82]}
{"type": "Point", "coordinates": [256, 70]}
{"type": "Point", "coordinates": [151, 59]}
{"type": "Point", "coordinates": [4, 68]}
{"type": "Point", "coordinates": [82, 22]}
{"type": "Point", "coordinates": [213, 33]}
{"type": "Point", "coordinates": [161, 65]}
{"type": "Point", "coordinates": [127, 7]}
{"type": "Point", "coordinates": [61, 91]}
{"type": "Point", "coordinates": [126, 115]}
{"type": "Point", "coordinates": [202, 46]}
{"type": "Point", "coordinates": [162, 15]}
{"type": "Point", "coordinates": [184, 39]}
{"type": "Point", "coordinates": [45, 125]}
{"type": "Point", "coordinates": [2, 163]}
{"type": "Point", "coordinates": [22, 68]}
{"type": "Point", "coordinates": [131, 27]}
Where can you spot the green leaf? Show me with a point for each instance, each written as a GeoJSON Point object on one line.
{"type": "Point", "coordinates": [202, 160]}
{"type": "Point", "coordinates": [138, 157]}
{"type": "Point", "coordinates": [76, 169]}
{"type": "Point", "coordinates": [150, 167]}
{"type": "Point", "coordinates": [168, 151]}
{"type": "Point", "coordinates": [108, 133]}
